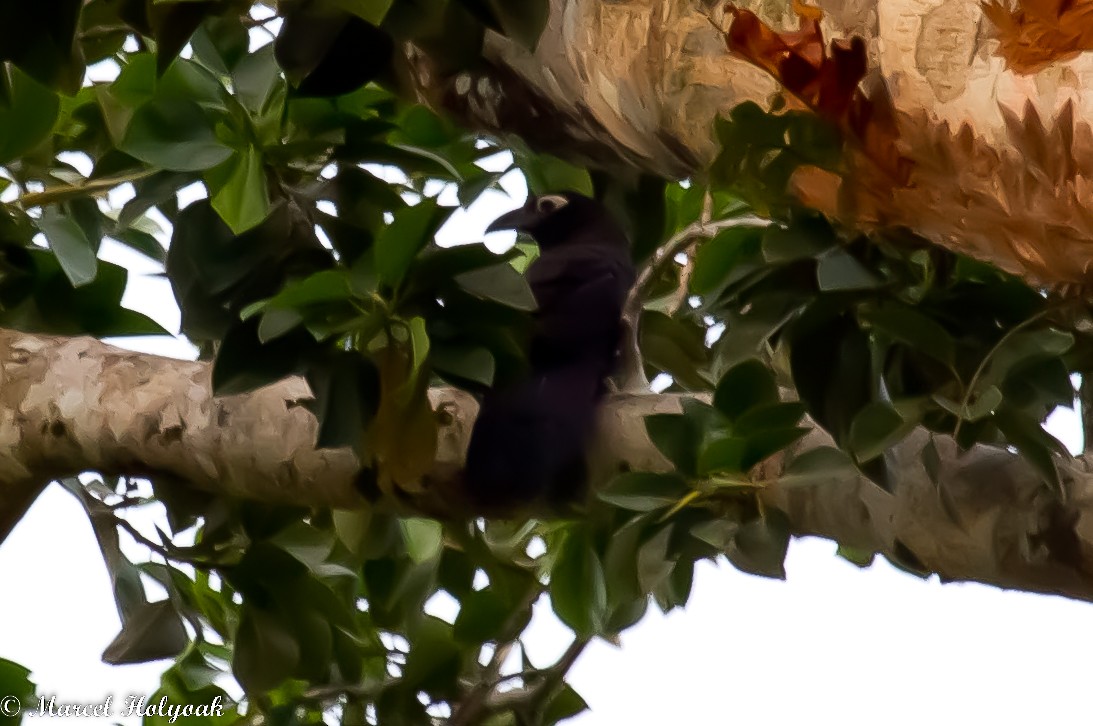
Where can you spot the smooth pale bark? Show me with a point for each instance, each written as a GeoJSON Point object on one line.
{"type": "Point", "coordinates": [990, 105]}
{"type": "Point", "coordinates": [74, 404]}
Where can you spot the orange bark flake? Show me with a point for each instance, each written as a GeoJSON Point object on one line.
{"type": "Point", "coordinates": [1036, 33]}
{"type": "Point", "coordinates": [826, 79]}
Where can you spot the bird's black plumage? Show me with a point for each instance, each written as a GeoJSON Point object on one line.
{"type": "Point", "coordinates": [530, 436]}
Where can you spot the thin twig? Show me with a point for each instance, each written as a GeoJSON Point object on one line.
{"type": "Point", "coordinates": [987, 359]}
{"type": "Point", "coordinates": [128, 502]}
{"type": "Point", "coordinates": [557, 672]}
{"type": "Point", "coordinates": [547, 682]}
{"type": "Point", "coordinates": [105, 31]}
{"type": "Point", "coordinates": [162, 550]}
{"type": "Point", "coordinates": [92, 187]}
{"type": "Point", "coordinates": [679, 297]}
{"type": "Point", "coordinates": [324, 694]}
{"type": "Point", "coordinates": [1085, 405]}
{"type": "Point", "coordinates": [633, 373]}
{"type": "Point", "coordinates": [473, 704]}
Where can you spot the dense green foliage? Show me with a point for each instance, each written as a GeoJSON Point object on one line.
{"type": "Point", "coordinates": [308, 138]}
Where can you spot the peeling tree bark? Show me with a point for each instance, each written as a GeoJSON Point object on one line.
{"type": "Point", "coordinates": [993, 124]}
{"type": "Point", "coordinates": [74, 404]}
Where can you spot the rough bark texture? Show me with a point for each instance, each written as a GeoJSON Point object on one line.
{"type": "Point", "coordinates": [74, 404]}
{"type": "Point", "coordinates": [990, 102]}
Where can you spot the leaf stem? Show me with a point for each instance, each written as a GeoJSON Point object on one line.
{"type": "Point", "coordinates": [92, 187]}
{"type": "Point", "coordinates": [987, 358]}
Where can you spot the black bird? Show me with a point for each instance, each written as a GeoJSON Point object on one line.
{"type": "Point", "coordinates": [529, 440]}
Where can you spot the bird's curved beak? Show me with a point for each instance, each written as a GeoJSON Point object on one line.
{"type": "Point", "coordinates": [517, 219]}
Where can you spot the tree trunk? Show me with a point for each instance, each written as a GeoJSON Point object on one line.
{"type": "Point", "coordinates": [989, 110]}
{"type": "Point", "coordinates": [73, 404]}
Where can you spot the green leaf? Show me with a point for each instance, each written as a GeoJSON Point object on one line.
{"type": "Point", "coordinates": [724, 454]}
{"type": "Point", "coordinates": [399, 242]}
{"type": "Point", "coordinates": [464, 362]}
{"type": "Point", "coordinates": [804, 238]}
{"type": "Point", "coordinates": [307, 544]}
{"type": "Point", "coordinates": [566, 704]}
{"type": "Point", "coordinates": [654, 561]}
{"type": "Point", "coordinates": [981, 406]}
{"type": "Point", "coordinates": [153, 632]}
{"type": "Point", "coordinates": [28, 111]}
{"type": "Point", "coordinates": [54, 306]}
{"type": "Point", "coordinates": [70, 244]}
{"type": "Point", "coordinates": [237, 190]}
{"type": "Point", "coordinates": [220, 43]}
{"type": "Point", "coordinates": [744, 387]}
{"type": "Point", "coordinates": [855, 556]}
{"type": "Point", "coordinates": [1037, 446]}
{"type": "Point", "coordinates": [767, 442]}
{"type": "Point", "coordinates": [422, 128]}
{"type": "Point", "coordinates": [679, 436]}
{"type": "Point", "coordinates": [434, 658]}
{"type": "Point", "coordinates": [578, 591]}
{"type": "Point", "coordinates": [677, 589]}
{"type": "Point", "coordinates": [906, 325]}
{"type": "Point", "coordinates": [255, 80]}
{"type": "Point", "coordinates": [324, 286]}
{"type": "Point", "coordinates": [760, 545]}
{"type": "Point", "coordinates": [423, 537]}
{"type": "Point", "coordinates": [39, 39]}
{"type": "Point", "coordinates": [244, 363]}
{"type": "Point", "coordinates": [436, 266]}
{"type": "Point", "coordinates": [482, 616]}
{"type": "Point", "coordinates": [265, 653]}
{"type": "Point", "coordinates": [173, 134]}
{"type": "Point", "coordinates": [676, 347]}
{"type": "Point", "coordinates": [620, 570]}
{"type": "Point", "coordinates": [150, 192]}
{"type": "Point", "coordinates": [725, 258]}
{"type": "Point", "coordinates": [14, 682]}
{"type": "Point", "coordinates": [546, 173]}
{"type": "Point", "coordinates": [718, 533]}
{"type": "Point", "coordinates": [346, 387]}
{"type": "Point", "coordinates": [674, 437]}
{"type": "Point", "coordinates": [419, 349]}
{"type": "Point", "coordinates": [876, 428]}
{"type": "Point", "coordinates": [823, 464]}
{"type": "Point", "coordinates": [831, 360]}
{"type": "Point", "coordinates": [838, 270]}
{"type": "Point", "coordinates": [1022, 348]}
{"type": "Point", "coordinates": [187, 80]}
{"type": "Point", "coordinates": [640, 205]}
{"type": "Point", "coordinates": [413, 160]}
{"type": "Point", "coordinates": [473, 187]}
{"type": "Point", "coordinates": [172, 25]}
{"type": "Point", "coordinates": [141, 242]}
{"type": "Point", "coordinates": [501, 283]}
{"type": "Point", "coordinates": [327, 51]}
{"type": "Point", "coordinates": [641, 491]}
{"type": "Point", "coordinates": [775, 416]}
{"type": "Point", "coordinates": [276, 322]}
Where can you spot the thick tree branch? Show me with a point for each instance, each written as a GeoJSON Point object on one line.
{"type": "Point", "coordinates": [74, 404]}
{"type": "Point", "coordinates": [1000, 152]}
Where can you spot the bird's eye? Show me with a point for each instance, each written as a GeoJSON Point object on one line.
{"type": "Point", "coordinates": [551, 203]}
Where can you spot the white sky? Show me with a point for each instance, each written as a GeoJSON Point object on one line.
{"type": "Point", "coordinates": [831, 645]}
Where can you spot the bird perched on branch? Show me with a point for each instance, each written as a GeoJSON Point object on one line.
{"type": "Point", "coordinates": [529, 440]}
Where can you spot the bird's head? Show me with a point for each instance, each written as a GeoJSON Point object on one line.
{"type": "Point", "coordinates": [554, 219]}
